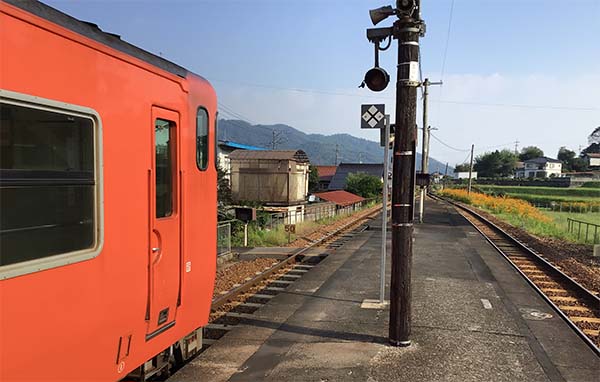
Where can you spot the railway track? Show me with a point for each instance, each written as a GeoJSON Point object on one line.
{"type": "Point", "coordinates": [243, 299]}
{"type": "Point", "coordinates": [579, 307]}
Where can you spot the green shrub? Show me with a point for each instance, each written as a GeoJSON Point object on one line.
{"type": "Point", "coordinates": [591, 185]}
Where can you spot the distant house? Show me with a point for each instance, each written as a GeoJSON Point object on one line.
{"type": "Point", "coordinates": [224, 148]}
{"type": "Point", "coordinates": [465, 175]}
{"type": "Point", "coordinates": [338, 182]}
{"type": "Point", "coordinates": [277, 178]}
{"type": "Point", "coordinates": [542, 167]}
{"type": "Point", "coordinates": [325, 175]}
{"type": "Point", "coordinates": [343, 200]}
{"type": "Point", "coordinates": [436, 177]}
{"type": "Point", "coordinates": [593, 159]}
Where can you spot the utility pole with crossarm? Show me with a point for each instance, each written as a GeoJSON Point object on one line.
{"type": "Point", "coordinates": [425, 149]}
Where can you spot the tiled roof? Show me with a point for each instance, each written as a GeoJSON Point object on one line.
{"type": "Point", "coordinates": [338, 182]}
{"type": "Point", "coordinates": [326, 172]}
{"type": "Point", "coordinates": [542, 160]}
{"type": "Point", "coordinates": [341, 197]}
{"type": "Point", "coordinates": [296, 155]}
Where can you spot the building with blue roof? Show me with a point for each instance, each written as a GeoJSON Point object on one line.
{"type": "Point", "coordinates": [224, 148]}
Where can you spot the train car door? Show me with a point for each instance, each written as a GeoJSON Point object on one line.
{"type": "Point", "coordinates": [164, 250]}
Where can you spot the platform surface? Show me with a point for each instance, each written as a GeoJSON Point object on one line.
{"type": "Point", "coordinates": [474, 319]}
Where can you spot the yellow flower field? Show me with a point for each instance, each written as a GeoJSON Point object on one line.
{"type": "Point", "coordinates": [497, 204]}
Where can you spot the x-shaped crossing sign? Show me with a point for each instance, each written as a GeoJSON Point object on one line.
{"type": "Point", "coordinates": [372, 116]}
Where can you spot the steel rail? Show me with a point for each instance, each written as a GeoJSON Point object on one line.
{"type": "Point", "coordinates": [586, 295]}
{"type": "Point", "coordinates": [233, 293]}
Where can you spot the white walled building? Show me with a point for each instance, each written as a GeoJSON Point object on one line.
{"type": "Point", "coordinates": [542, 167]}
{"type": "Point", "coordinates": [593, 159]}
{"type": "Point", "coordinates": [465, 175]}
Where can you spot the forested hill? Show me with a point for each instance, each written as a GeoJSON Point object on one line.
{"type": "Point", "coordinates": [320, 148]}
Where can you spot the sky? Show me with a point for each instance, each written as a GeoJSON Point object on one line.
{"type": "Point", "coordinates": [513, 70]}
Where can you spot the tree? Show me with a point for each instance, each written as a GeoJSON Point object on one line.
{"type": "Point", "coordinates": [496, 164]}
{"type": "Point", "coordinates": [461, 167]}
{"type": "Point", "coordinates": [570, 161]}
{"type": "Point", "coordinates": [223, 188]}
{"type": "Point", "coordinates": [594, 141]}
{"type": "Point", "coordinates": [566, 156]}
{"type": "Point", "coordinates": [365, 185]}
{"type": "Point", "coordinates": [594, 137]}
{"type": "Point", "coordinates": [530, 152]}
{"type": "Point", "coordinates": [313, 179]}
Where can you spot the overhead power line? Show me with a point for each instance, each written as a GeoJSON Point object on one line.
{"type": "Point", "coordinates": [447, 41]}
{"type": "Point", "coordinates": [447, 145]}
{"type": "Point", "coordinates": [230, 111]}
{"type": "Point", "coordinates": [363, 96]}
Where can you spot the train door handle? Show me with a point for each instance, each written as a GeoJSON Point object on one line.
{"type": "Point", "coordinates": [155, 249]}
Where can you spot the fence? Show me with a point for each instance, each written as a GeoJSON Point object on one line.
{"type": "Point", "coordinates": [574, 207]}
{"type": "Point", "coordinates": [223, 238]}
{"type": "Point", "coordinates": [270, 221]}
{"type": "Point", "coordinates": [575, 225]}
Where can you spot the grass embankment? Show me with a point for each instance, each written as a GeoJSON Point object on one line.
{"type": "Point", "coordinates": [276, 237]}
{"type": "Point", "coordinates": [583, 199]}
{"type": "Point", "coordinates": [522, 214]}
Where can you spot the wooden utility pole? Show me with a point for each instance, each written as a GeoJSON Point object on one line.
{"type": "Point", "coordinates": [406, 30]}
{"type": "Point", "coordinates": [470, 169]}
{"type": "Point", "coordinates": [425, 148]}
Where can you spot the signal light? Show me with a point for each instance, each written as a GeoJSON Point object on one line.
{"type": "Point", "coordinates": [376, 79]}
{"type": "Point", "coordinates": [405, 7]}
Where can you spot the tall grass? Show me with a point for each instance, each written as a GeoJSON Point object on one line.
{"type": "Point", "coordinates": [264, 237]}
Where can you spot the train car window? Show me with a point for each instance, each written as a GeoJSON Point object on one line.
{"type": "Point", "coordinates": [216, 142]}
{"type": "Point", "coordinates": [164, 167]}
{"type": "Point", "coordinates": [47, 183]}
{"type": "Point", "coordinates": [202, 139]}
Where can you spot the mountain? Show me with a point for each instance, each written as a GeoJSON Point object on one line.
{"type": "Point", "coordinates": [321, 149]}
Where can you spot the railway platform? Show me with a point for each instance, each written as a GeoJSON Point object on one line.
{"type": "Point", "coordinates": [474, 319]}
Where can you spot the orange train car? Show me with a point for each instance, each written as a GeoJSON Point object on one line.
{"type": "Point", "coordinates": [107, 202]}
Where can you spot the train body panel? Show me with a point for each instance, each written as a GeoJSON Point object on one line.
{"type": "Point", "coordinates": [148, 277]}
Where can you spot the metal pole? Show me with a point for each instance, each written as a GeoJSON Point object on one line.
{"type": "Point", "coordinates": [384, 210]}
{"type": "Point", "coordinates": [406, 31]}
{"type": "Point", "coordinates": [471, 169]}
{"type": "Point", "coordinates": [245, 234]}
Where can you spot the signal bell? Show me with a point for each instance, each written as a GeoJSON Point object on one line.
{"type": "Point", "coordinates": [376, 79]}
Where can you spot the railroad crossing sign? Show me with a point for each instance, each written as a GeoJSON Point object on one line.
{"type": "Point", "coordinates": [372, 116]}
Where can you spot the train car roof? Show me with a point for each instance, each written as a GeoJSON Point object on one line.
{"type": "Point", "coordinates": [92, 31]}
